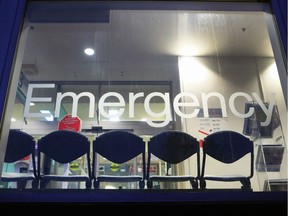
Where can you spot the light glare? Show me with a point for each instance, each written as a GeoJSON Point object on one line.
{"type": "Point", "coordinates": [89, 51]}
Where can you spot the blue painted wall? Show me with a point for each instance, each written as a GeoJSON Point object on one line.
{"type": "Point", "coordinates": [280, 11]}
{"type": "Point", "coordinates": [11, 14]}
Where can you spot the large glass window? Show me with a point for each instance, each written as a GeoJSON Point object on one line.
{"type": "Point", "coordinates": [169, 67]}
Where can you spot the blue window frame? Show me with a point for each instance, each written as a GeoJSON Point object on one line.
{"type": "Point", "coordinates": [11, 18]}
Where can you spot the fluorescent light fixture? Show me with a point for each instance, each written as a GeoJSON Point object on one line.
{"type": "Point", "coordinates": [13, 119]}
{"type": "Point", "coordinates": [110, 187]}
{"type": "Point", "coordinates": [113, 113]}
{"type": "Point", "coordinates": [191, 69]}
{"type": "Point", "coordinates": [89, 51]}
{"type": "Point", "coordinates": [114, 118]}
{"type": "Point", "coordinates": [49, 118]}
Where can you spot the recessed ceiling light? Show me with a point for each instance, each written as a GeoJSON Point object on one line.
{"type": "Point", "coordinates": [89, 51]}
{"type": "Point", "coordinates": [49, 117]}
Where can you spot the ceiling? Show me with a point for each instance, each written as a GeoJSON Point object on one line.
{"type": "Point", "coordinates": [140, 44]}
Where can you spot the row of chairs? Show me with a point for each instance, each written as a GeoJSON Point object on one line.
{"type": "Point", "coordinates": [120, 146]}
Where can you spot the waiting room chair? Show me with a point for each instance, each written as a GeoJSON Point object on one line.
{"type": "Point", "coordinates": [227, 147]}
{"type": "Point", "coordinates": [119, 147]}
{"type": "Point", "coordinates": [64, 146]}
{"type": "Point", "coordinates": [20, 145]}
{"type": "Point", "coordinates": [173, 147]}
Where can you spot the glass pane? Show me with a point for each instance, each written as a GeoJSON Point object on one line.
{"type": "Point", "coordinates": [150, 71]}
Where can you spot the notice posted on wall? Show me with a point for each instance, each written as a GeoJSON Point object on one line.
{"type": "Point", "coordinates": [215, 122]}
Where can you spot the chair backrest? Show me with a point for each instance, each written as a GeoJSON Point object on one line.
{"type": "Point", "coordinates": [227, 147]}
{"type": "Point", "coordinates": [64, 146]}
{"type": "Point", "coordinates": [118, 146]}
{"type": "Point", "coordinates": [173, 147]}
{"type": "Point", "coordinates": [19, 146]}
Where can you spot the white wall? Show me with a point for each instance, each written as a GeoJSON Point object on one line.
{"type": "Point", "coordinates": [226, 76]}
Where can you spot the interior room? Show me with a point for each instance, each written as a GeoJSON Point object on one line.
{"type": "Point", "coordinates": [149, 71]}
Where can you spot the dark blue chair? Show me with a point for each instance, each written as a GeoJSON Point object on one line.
{"type": "Point", "coordinates": [119, 147]}
{"type": "Point", "coordinates": [64, 146]}
{"type": "Point", "coordinates": [227, 147]}
{"type": "Point", "coordinates": [173, 147]}
{"type": "Point", "coordinates": [19, 146]}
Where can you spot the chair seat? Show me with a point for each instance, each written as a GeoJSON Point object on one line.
{"type": "Point", "coordinates": [109, 178]}
{"type": "Point", "coordinates": [173, 147]}
{"type": "Point", "coordinates": [227, 147]}
{"type": "Point", "coordinates": [171, 178]}
{"type": "Point", "coordinates": [224, 177]}
{"type": "Point", "coordinates": [66, 177]}
{"type": "Point", "coordinates": [119, 147]}
{"type": "Point", "coordinates": [8, 177]}
{"type": "Point", "coordinates": [20, 145]}
{"type": "Point", "coordinates": [63, 147]}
